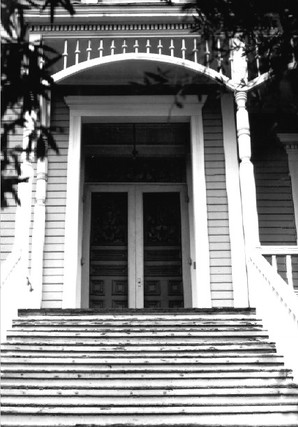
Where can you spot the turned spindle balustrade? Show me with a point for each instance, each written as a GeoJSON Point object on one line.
{"type": "Point", "coordinates": [74, 51]}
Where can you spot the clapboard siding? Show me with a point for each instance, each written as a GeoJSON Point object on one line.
{"type": "Point", "coordinates": [55, 211]}
{"type": "Point", "coordinates": [7, 220]}
{"type": "Point", "coordinates": [274, 197]}
{"type": "Point", "coordinates": [217, 207]}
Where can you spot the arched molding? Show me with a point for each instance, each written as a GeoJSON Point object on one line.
{"type": "Point", "coordinates": [165, 59]}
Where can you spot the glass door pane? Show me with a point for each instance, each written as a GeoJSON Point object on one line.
{"type": "Point", "coordinates": [163, 287]}
{"type": "Point", "coordinates": [109, 250]}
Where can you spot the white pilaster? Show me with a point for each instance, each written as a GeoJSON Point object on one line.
{"type": "Point", "coordinates": [290, 141]}
{"type": "Point", "coordinates": [201, 263]}
{"type": "Point", "coordinates": [239, 276]}
{"type": "Point", "coordinates": [247, 179]}
{"type": "Point", "coordinates": [72, 260]}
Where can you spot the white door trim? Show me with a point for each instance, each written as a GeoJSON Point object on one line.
{"type": "Point", "coordinates": [128, 108]}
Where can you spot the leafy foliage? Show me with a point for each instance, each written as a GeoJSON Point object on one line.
{"type": "Point", "coordinates": [269, 31]}
{"type": "Point", "coordinates": [25, 81]}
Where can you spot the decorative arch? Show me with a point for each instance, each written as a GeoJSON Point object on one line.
{"type": "Point", "coordinates": [185, 63]}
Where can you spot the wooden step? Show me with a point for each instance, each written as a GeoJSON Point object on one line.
{"type": "Point", "coordinates": [132, 312]}
{"type": "Point", "coordinates": [185, 330]}
{"type": "Point", "coordinates": [189, 333]}
{"type": "Point", "coordinates": [185, 368]}
{"type": "Point", "coordinates": [145, 401]}
{"type": "Point", "coordinates": [132, 341]}
{"type": "Point", "coordinates": [189, 362]}
{"type": "Point", "coordinates": [151, 410]}
{"type": "Point", "coordinates": [214, 392]}
{"type": "Point", "coordinates": [149, 375]}
{"type": "Point", "coordinates": [162, 323]}
{"type": "Point", "coordinates": [176, 420]}
{"type": "Point", "coordinates": [147, 383]}
{"type": "Point", "coordinates": [218, 347]}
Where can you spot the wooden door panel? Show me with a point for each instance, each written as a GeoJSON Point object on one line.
{"type": "Point", "coordinates": [108, 251]}
{"type": "Point", "coordinates": [163, 286]}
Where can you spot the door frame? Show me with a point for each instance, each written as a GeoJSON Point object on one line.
{"type": "Point", "coordinates": [135, 223]}
{"type": "Point", "coordinates": [104, 109]}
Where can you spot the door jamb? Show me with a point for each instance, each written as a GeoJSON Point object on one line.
{"type": "Point", "coordinates": [121, 109]}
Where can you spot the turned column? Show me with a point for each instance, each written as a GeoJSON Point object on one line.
{"type": "Point", "coordinates": [247, 179]}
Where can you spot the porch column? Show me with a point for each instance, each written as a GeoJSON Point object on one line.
{"type": "Point", "coordinates": [239, 275]}
{"type": "Point", "coordinates": [201, 287]}
{"type": "Point", "coordinates": [247, 179]}
{"type": "Point", "coordinates": [290, 142]}
{"type": "Point", "coordinates": [38, 236]}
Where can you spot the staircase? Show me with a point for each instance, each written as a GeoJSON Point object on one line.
{"type": "Point", "coordinates": [185, 368]}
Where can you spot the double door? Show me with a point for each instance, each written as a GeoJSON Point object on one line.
{"type": "Point", "coordinates": [136, 247]}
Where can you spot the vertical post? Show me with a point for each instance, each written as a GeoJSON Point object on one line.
{"type": "Point", "coordinates": [239, 276]}
{"type": "Point", "coordinates": [72, 261]}
{"type": "Point", "coordinates": [38, 235]}
{"type": "Point", "coordinates": [247, 179]}
{"type": "Point", "coordinates": [201, 264]}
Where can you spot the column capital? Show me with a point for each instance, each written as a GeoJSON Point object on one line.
{"type": "Point", "coordinates": [289, 140]}
{"type": "Point", "coordinates": [240, 98]}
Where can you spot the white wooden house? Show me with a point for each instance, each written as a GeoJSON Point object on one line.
{"type": "Point", "coordinates": [150, 206]}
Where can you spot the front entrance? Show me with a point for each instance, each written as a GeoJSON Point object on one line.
{"type": "Point", "coordinates": [138, 246]}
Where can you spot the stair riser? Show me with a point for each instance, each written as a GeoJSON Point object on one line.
{"type": "Point", "coordinates": [16, 356]}
{"type": "Point", "coordinates": [185, 420]}
{"type": "Point", "coordinates": [138, 330]}
{"type": "Point", "coordinates": [158, 393]}
{"type": "Point", "coordinates": [188, 362]}
{"type": "Point", "coordinates": [149, 383]}
{"type": "Point", "coordinates": [133, 334]}
{"type": "Point", "coordinates": [133, 341]}
{"type": "Point", "coordinates": [211, 368]}
{"type": "Point", "coordinates": [90, 345]}
{"type": "Point", "coordinates": [176, 324]}
{"type": "Point", "coordinates": [160, 401]}
{"type": "Point", "coordinates": [198, 410]}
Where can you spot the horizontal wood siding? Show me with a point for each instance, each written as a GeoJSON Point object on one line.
{"type": "Point", "coordinates": [7, 232]}
{"type": "Point", "coordinates": [274, 196]}
{"type": "Point", "coordinates": [55, 210]}
{"type": "Point", "coordinates": [217, 207]}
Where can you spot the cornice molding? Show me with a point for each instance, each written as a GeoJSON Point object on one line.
{"type": "Point", "coordinates": [112, 14]}
{"type": "Point", "coordinates": [289, 140]}
{"type": "Point", "coordinates": [124, 27]}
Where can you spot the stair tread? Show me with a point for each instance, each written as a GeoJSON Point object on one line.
{"type": "Point", "coordinates": [214, 367]}
{"type": "Point", "coordinates": [164, 360]}
{"type": "Point", "coordinates": [217, 420]}
{"type": "Point", "coordinates": [152, 410]}
{"type": "Point", "coordinates": [278, 390]}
